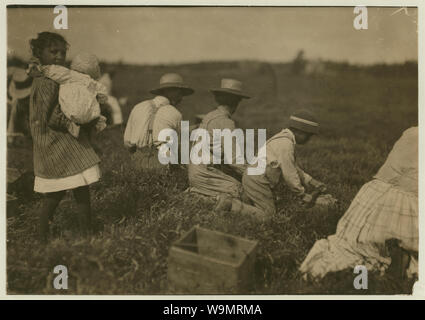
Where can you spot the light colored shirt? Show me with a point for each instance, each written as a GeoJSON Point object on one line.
{"type": "Point", "coordinates": [401, 166]}
{"type": "Point", "coordinates": [280, 159]}
{"type": "Point", "coordinates": [220, 118]}
{"type": "Point", "coordinates": [163, 115]}
{"type": "Point", "coordinates": [77, 93]}
{"type": "Point", "coordinates": [167, 117]}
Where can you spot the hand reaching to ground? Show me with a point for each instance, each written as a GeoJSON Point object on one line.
{"type": "Point", "coordinates": [326, 200]}
{"type": "Point", "coordinates": [317, 185]}
{"type": "Point", "coordinates": [310, 199]}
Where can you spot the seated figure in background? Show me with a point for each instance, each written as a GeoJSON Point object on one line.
{"type": "Point", "coordinates": [215, 179]}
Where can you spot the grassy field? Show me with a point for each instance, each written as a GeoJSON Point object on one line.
{"type": "Point", "coordinates": [362, 114]}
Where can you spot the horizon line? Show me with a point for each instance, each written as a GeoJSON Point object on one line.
{"type": "Point", "coordinates": [193, 62]}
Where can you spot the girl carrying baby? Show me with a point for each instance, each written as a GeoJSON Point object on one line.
{"type": "Point", "coordinates": [61, 161]}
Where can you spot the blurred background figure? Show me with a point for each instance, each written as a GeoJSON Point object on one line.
{"type": "Point", "coordinates": [106, 80]}
{"type": "Point", "coordinates": [298, 64]}
{"type": "Point", "coordinates": [18, 95]}
{"type": "Point", "coordinates": [112, 108]}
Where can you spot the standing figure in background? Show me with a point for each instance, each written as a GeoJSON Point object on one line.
{"type": "Point", "coordinates": [19, 92]}
{"type": "Point", "coordinates": [380, 228]}
{"type": "Point", "coordinates": [111, 108]}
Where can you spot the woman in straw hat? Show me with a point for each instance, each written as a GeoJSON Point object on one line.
{"type": "Point", "coordinates": [212, 179]}
{"type": "Point", "coordinates": [380, 228]}
{"type": "Point", "coordinates": [280, 162]}
{"type": "Point", "coordinates": [148, 118]}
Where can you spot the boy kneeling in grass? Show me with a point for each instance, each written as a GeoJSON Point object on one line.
{"type": "Point", "coordinates": [258, 199]}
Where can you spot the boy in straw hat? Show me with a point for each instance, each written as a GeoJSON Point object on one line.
{"type": "Point", "coordinates": [280, 162]}
{"type": "Point", "coordinates": [148, 118]}
{"type": "Point", "coordinates": [213, 179]}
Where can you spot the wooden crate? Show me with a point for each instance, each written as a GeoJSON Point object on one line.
{"type": "Point", "coordinates": [210, 262]}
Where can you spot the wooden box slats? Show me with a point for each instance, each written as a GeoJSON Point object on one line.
{"type": "Point", "coordinates": [210, 262]}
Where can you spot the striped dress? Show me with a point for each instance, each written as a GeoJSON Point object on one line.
{"type": "Point", "coordinates": [60, 160]}
{"type": "Point", "coordinates": [384, 208]}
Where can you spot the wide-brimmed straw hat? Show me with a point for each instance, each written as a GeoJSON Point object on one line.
{"type": "Point", "coordinates": [305, 121]}
{"type": "Point", "coordinates": [20, 86]}
{"type": "Point", "coordinates": [231, 86]}
{"type": "Point", "coordinates": [172, 80]}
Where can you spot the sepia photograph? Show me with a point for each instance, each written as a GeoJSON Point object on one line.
{"type": "Point", "coordinates": [211, 150]}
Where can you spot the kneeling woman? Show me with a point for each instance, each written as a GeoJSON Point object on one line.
{"type": "Point", "coordinates": [384, 211]}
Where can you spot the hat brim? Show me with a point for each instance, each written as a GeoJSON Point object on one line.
{"type": "Point", "coordinates": [185, 89]}
{"type": "Point", "coordinates": [19, 93]}
{"type": "Point", "coordinates": [304, 127]}
{"type": "Point", "coordinates": [230, 91]}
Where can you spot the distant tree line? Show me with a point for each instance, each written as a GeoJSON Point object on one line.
{"type": "Point", "coordinates": [408, 68]}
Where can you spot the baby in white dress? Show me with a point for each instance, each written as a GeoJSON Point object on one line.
{"type": "Point", "coordinates": [79, 93]}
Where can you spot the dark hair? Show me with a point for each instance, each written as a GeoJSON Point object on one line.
{"type": "Point", "coordinates": [228, 99]}
{"type": "Point", "coordinates": [44, 40]}
{"type": "Point", "coordinates": [295, 130]}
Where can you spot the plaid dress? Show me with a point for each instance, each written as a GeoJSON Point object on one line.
{"type": "Point", "coordinates": [384, 208]}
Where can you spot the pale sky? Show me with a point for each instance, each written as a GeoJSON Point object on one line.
{"type": "Point", "coordinates": [146, 35]}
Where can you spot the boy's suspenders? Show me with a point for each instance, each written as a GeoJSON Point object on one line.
{"type": "Point", "coordinates": [150, 126]}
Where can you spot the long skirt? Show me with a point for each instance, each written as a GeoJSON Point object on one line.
{"type": "Point", "coordinates": [379, 212]}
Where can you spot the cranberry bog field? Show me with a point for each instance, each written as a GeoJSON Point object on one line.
{"type": "Point", "coordinates": [363, 110]}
